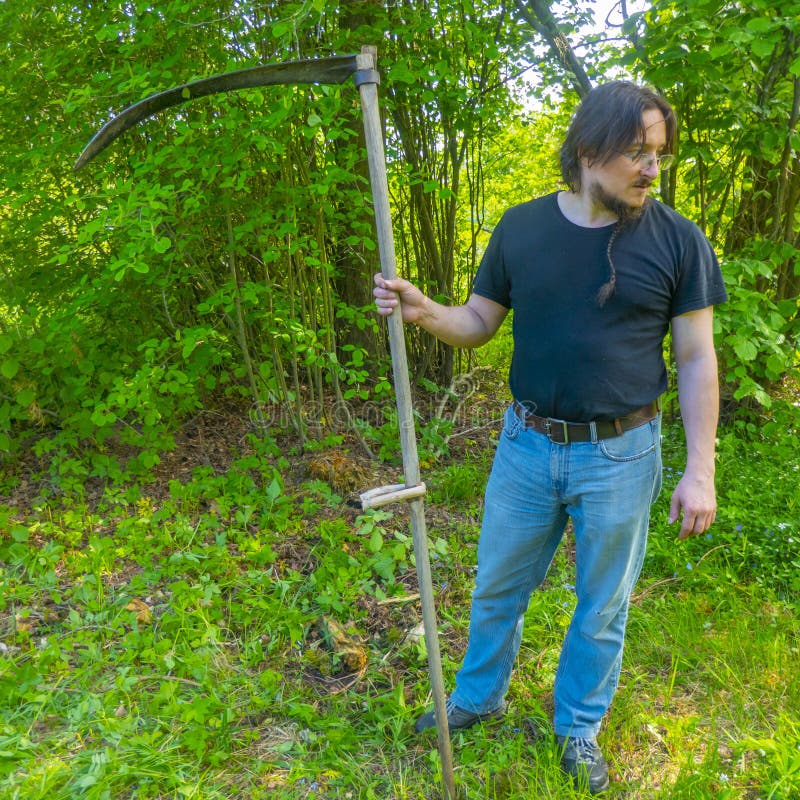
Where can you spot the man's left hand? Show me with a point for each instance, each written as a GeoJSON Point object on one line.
{"type": "Point", "coordinates": [697, 499]}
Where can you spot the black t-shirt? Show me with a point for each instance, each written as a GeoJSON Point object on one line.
{"type": "Point", "coordinates": [574, 359]}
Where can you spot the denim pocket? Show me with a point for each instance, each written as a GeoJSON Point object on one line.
{"type": "Point", "coordinates": [633, 444]}
{"type": "Point", "coordinates": [512, 424]}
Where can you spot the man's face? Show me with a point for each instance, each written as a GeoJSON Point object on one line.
{"type": "Point", "coordinates": [621, 185]}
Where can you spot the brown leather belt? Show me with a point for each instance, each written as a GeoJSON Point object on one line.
{"type": "Point", "coordinates": [562, 432]}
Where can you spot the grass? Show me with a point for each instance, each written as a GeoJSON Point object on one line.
{"type": "Point", "coordinates": [246, 633]}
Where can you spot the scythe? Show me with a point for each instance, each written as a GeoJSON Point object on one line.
{"type": "Point", "coordinates": [337, 69]}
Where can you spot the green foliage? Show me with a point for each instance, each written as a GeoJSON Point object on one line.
{"type": "Point", "coordinates": [736, 94]}
{"type": "Point", "coordinates": [191, 263]}
{"type": "Point", "coordinates": [200, 265]}
{"type": "Point", "coordinates": [756, 536]}
{"type": "Point", "coordinates": [177, 616]}
{"type": "Point", "coordinates": [460, 484]}
{"type": "Point", "coordinates": [201, 642]}
{"type": "Point", "coordinates": [755, 332]}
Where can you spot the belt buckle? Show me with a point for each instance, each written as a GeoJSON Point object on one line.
{"type": "Point", "coordinates": [551, 424]}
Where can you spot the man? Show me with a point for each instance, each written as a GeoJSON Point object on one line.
{"type": "Point", "coordinates": [596, 275]}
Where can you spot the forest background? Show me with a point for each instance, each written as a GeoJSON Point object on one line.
{"type": "Point", "coordinates": [193, 383]}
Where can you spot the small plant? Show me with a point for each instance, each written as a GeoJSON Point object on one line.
{"type": "Point", "coordinates": [460, 483]}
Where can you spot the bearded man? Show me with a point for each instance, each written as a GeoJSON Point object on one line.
{"type": "Point", "coordinates": [596, 276]}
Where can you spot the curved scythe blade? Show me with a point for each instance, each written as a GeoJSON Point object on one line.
{"type": "Point", "coordinates": [335, 69]}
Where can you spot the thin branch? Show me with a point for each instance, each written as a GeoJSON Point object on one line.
{"type": "Point", "coordinates": [538, 15]}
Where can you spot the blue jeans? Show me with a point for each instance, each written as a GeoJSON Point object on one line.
{"type": "Point", "coordinates": [606, 487]}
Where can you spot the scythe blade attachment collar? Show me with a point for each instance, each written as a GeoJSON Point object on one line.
{"type": "Point", "coordinates": [363, 76]}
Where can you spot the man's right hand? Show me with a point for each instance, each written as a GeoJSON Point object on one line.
{"type": "Point", "coordinates": [388, 293]}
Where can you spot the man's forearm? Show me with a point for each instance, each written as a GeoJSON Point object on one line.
{"type": "Point", "coordinates": [698, 394]}
{"type": "Point", "coordinates": [694, 498]}
{"type": "Point", "coordinates": [459, 326]}
{"type": "Point", "coordinates": [468, 325]}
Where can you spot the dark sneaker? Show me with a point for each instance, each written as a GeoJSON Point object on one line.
{"type": "Point", "coordinates": [457, 718]}
{"type": "Point", "coordinates": [583, 760]}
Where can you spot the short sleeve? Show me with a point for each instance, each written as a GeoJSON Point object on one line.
{"type": "Point", "coordinates": [491, 280]}
{"type": "Point", "coordinates": [700, 282]}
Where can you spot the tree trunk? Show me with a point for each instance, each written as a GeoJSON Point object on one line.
{"type": "Point", "coordinates": [355, 263]}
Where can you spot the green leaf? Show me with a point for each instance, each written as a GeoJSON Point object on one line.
{"type": "Point", "coordinates": [26, 396]}
{"type": "Point", "coordinates": [761, 24]}
{"type": "Point", "coordinates": [763, 47]}
{"type": "Point", "coordinates": [19, 533]}
{"type": "Point", "coordinates": [188, 347]}
{"type": "Point", "coordinates": [630, 24]}
{"type": "Point", "coordinates": [375, 540]}
{"type": "Point", "coordinates": [775, 366]}
{"type": "Point", "coordinates": [720, 50]}
{"type": "Point", "coordinates": [274, 490]}
{"type": "Point", "coordinates": [9, 368]}
{"type": "Point", "coordinates": [149, 459]}
{"type": "Point", "coordinates": [400, 73]}
{"type": "Point", "coordinates": [745, 349]}
{"type": "Point", "coordinates": [163, 244]}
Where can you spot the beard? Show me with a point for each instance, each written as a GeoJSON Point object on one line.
{"type": "Point", "coordinates": [623, 211]}
{"type": "Point", "coordinates": [625, 214]}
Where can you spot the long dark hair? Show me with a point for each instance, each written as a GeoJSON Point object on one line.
{"type": "Point", "coordinates": [607, 122]}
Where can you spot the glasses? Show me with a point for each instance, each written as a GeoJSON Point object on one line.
{"type": "Point", "coordinates": [646, 160]}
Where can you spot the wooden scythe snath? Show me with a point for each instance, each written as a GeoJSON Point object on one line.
{"type": "Point", "coordinates": [337, 69]}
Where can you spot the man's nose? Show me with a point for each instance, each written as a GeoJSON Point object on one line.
{"type": "Point", "coordinates": [651, 169]}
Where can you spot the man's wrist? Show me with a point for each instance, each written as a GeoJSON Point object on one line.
{"type": "Point", "coordinates": [700, 472]}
